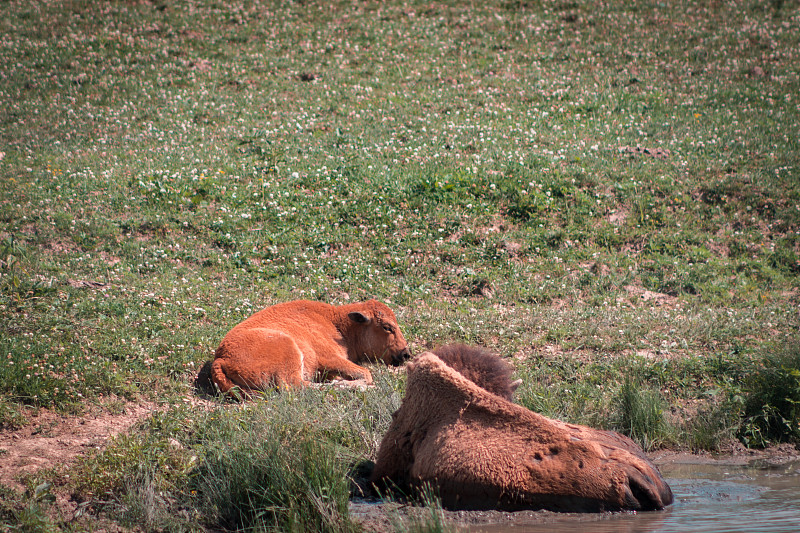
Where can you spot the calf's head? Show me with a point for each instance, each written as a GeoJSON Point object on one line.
{"type": "Point", "coordinates": [373, 334]}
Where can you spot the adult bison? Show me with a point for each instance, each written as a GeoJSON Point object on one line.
{"type": "Point", "coordinates": [480, 451]}
{"type": "Point", "coordinates": [297, 342]}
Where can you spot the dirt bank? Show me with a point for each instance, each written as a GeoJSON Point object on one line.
{"type": "Point", "coordinates": [50, 440]}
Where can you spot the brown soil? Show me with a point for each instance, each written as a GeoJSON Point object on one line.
{"type": "Point", "coordinates": [51, 440]}
{"type": "Point", "coordinates": [733, 454]}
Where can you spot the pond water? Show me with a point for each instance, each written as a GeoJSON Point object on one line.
{"type": "Point", "coordinates": [709, 498]}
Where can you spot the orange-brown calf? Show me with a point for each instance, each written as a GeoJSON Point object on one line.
{"type": "Point", "coordinates": [295, 343]}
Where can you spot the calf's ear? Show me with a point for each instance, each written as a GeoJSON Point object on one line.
{"type": "Point", "coordinates": [355, 316]}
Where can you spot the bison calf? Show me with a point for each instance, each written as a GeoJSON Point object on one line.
{"type": "Point", "coordinates": [297, 342]}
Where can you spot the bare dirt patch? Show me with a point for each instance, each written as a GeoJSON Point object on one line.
{"type": "Point", "coordinates": [51, 440]}
{"type": "Point", "coordinates": [633, 151]}
{"type": "Point", "coordinates": [618, 217]}
{"type": "Point", "coordinates": [733, 453]}
{"type": "Point", "coordinates": [640, 294]}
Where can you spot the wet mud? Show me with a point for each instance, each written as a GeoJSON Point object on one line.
{"type": "Point", "coordinates": [743, 490]}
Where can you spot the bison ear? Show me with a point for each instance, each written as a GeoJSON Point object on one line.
{"type": "Point", "coordinates": [361, 318]}
{"type": "Point", "coordinates": [515, 384]}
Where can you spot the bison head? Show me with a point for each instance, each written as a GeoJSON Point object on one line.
{"type": "Point", "coordinates": [374, 335]}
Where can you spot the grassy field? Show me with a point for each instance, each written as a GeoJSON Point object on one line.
{"type": "Point", "coordinates": [607, 194]}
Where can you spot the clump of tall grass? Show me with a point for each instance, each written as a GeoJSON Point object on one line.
{"type": "Point", "coordinates": [281, 461]}
{"type": "Point", "coordinates": [711, 427]}
{"type": "Point", "coordinates": [772, 399]}
{"type": "Point", "coordinates": [641, 415]}
{"type": "Point", "coordinates": [146, 503]}
{"type": "Point", "coordinates": [432, 518]}
{"type": "Point", "coordinates": [267, 481]}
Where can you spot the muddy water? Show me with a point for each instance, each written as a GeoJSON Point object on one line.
{"type": "Point", "coordinates": [708, 498]}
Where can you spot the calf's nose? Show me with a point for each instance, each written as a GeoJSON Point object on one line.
{"type": "Point", "coordinates": [401, 357]}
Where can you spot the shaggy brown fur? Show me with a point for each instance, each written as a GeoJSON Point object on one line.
{"type": "Point", "coordinates": [294, 343]}
{"type": "Point", "coordinates": [480, 451]}
{"type": "Point", "coordinates": [480, 366]}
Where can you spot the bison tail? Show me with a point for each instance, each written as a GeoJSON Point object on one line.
{"type": "Point", "coordinates": [219, 376]}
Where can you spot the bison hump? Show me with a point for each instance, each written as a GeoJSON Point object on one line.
{"type": "Point", "coordinates": [482, 367]}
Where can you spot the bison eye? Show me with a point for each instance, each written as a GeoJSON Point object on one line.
{"type": "Point", "coordinates": [388, 329]}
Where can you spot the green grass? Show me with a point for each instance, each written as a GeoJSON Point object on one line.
{"type": "Point", "coordinates": [772, 399]}
{"type": "Point", "coordinates": [27, 513]}
{"type": "Point", "coordinates": [596, 193]}
{"type": "Point", "coordinates": [271, 481]}
{"type": "Point", "coordinates": [432, 520]}
{"type": "Point", "coordinates": [642, 416]}
{"type": "Point", "coordinates": [287, 461]}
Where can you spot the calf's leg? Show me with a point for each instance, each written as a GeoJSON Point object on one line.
{"type": "Point", "coordinates": [344, 368]}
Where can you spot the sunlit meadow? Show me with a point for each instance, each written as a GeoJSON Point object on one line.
{"type": "Point", "coordinates": [596, 192]}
